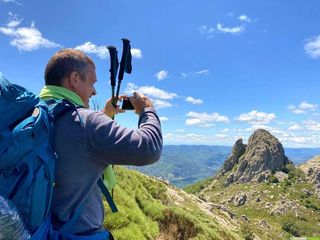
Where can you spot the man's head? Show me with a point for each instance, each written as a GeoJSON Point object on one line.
{"type": "Point", "coordinates": [72, 69]}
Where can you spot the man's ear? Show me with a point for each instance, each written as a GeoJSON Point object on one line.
{"type": "Point", "coordinates": [73, 79]}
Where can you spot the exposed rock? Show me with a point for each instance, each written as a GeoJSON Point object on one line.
{"type": "Point", "coordinates": [268, 205]}
{"type": "Point", "coordinates": [284, 206]}
{"type": "Point", "coordinates": [312, 170]}
{"type": "Point", "coordinates": [307, 192]}
{"type": "Point", "coordinates": [229, 180]}
{"type": "Point", "coordinates": [244, 218]}
{"type": "Point", "coordinates": [237, 150]}
{"type": "Point", "coordinates": [263, 155]}
{"type": "Point", "coordinates": [281, 176]}
{"type": "Point", "coordinates": [239, 199]}
{"type": "Point", "coordinates": [224, 209]}
{"type": "Point", "coordinates": [263, 223]}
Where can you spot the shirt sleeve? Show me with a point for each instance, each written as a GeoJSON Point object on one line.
{"type": "Point", "coordinates": [114, 144]}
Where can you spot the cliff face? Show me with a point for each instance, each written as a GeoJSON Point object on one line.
{"type": "Point", "coordinates": [312, 171]}
{"type": "Point", "coordinates": [263, 155]}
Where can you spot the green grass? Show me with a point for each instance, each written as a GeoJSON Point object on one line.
{"type": "Point", "coordinates": [147, 210]}
{"type": "Point", "coordinates": [281, 227]}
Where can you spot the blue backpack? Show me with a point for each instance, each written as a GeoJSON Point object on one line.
{"type": "Point", "coordinates": [27, 160]}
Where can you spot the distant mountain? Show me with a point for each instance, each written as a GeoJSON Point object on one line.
{"type": "Point", "coordinates": [301, 155]}
{"type": "Point", "coordinates": [186, 164]}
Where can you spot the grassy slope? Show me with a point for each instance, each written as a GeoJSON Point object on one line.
{"type": "Point", "coordinates": [303, 222]}
{"type": "Point", "coordinates": [150, 209]}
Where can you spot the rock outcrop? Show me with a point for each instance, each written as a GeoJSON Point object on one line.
{"type": "Point", "coordinates": [312, 171]}
{"type": "Point", "coordinates": [237, 150]}
{"type": "Point", "coordinates": [263, 155]}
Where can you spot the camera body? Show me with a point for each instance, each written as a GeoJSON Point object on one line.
{"type": "Point", "coordinates": [126, 104]}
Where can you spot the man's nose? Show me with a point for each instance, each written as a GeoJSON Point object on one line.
{"type": "Point", "coordinates": [94, 92]}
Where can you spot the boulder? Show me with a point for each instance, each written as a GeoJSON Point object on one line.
{"type": "Point", "coordinates": [239, 199]}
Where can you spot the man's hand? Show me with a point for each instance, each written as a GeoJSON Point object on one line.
{"type": "Point", "coordinates": [110, 110]}
{"type": "Point", "coordinates": [140, 102]}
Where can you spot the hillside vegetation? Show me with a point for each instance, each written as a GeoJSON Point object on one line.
{"type": "Point", "coordinates": [151, 209]}
{"type": "Point", "coordinates": [268, 210]}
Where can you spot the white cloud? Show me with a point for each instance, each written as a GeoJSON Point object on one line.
{"type": "Point", "coordinates": [312, 125]}
{"type": "Point", "coordinates": [136, 53]}
{"type": "Point", "coordinates": [312, 47]}
{"type": "Point", "coordinates": [102, 51]}
{"type": "Point", "coordinates": [150, 91]}
{"type": "Point", "coordinates": [233, 30]}
{"type": "Point", "coordinates": [195, 138]}
{"type": "Point", "coordinates": [221, 136]}
{"type": "Point", "coordinates": [299, 141]}
{"type": "Point", "coordinates": [256, 118]}
{"type": "Point", "coordinates": [25, 38]}
{"type": "Point", "coordinates": [180, 130]}
{"type": "Point", "coordinates": [11, 1]}
{"type": "Point", "coordinates": [163, 119]}
{"type": "Point", "coordinates": [295, 127]}
{"type": "Point", "coordinates": [160, 97]}
{"type": "Point", "coordinates": [193, 100]}
{"type": "Point", "coordinates": [158, 103]}
{"type": "Point", "coordinates": [207, 31]}
{"type": "Point", "coordinates": [210, 31]}
{"type": "Point", "coordinates": [161, 75]}
{"type": "Point", "coordinates": [88, 47]}
{"type": "Point", "coordinates": [303, 108]}
{"type": "Point", "coordinates": [205, 71]}
{"type": "Point", "coordinates": [204, 119]}
{"type": "Point", "coordinates": [194, 74]}
{"type": "Point", "coordinates": [308, 106]}
{"type": "Point", "coordinates": [244, 18]}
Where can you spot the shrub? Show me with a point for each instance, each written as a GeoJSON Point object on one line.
{"type": "Point", "coordinates": [290, 227]}
{"type": "Point", "coordinates": [273, 179]}
{"type": "Point", "coordinates": [247, 234]}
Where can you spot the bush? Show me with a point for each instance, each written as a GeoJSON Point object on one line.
{"type": "Point", "coordinates": [294, 173]}
{"type": "Point", "coordinates": [273, 179]}
{"type": "Point", "coordinates": [290, 227]}
{"type": "Point", "coordinates": [247, 234]}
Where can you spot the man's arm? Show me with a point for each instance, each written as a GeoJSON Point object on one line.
{"type": "Point", "coordinates": [114, 144]}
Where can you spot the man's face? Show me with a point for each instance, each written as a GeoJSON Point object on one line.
{"type": "Point", "coordinates": [85, 88]}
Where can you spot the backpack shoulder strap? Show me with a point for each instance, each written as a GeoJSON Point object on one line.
{"type": "Point", "coordinates": [107, 195]}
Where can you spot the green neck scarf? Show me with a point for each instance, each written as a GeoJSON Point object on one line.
{"type": "Point", "coordinates": [50, 91]}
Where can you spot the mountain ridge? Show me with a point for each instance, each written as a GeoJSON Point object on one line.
{"type": "Point", "coordinates": [177, 163]}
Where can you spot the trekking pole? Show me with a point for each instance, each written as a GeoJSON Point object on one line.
{"type": "Point", "coordinates": [114, 64]}
{"type": "Point", "coordinates": [125, 64]}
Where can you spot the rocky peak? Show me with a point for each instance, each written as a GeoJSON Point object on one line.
{"type": "Point", "coordinates": [263, 155]}
{"type": "Point", "coordinates": [237, 150]}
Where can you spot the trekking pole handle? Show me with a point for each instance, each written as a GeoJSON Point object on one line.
{"type": "Point", "coordinates": [114, 64]}
{"type": "Point", "coordinates": [124, 58]}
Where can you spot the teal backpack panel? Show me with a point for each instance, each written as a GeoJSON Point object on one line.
{"type": "Point", "coordinates": [27, 161]}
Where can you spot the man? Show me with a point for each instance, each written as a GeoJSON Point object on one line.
{"type": "Point", "coordinates": [87, 142]}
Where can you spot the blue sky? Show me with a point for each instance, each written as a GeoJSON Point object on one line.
{"type": "Point", "coordinates": [215, 69]}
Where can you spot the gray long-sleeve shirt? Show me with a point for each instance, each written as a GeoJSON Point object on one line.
{"type": "Point", "coordinates": [85, 150]}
